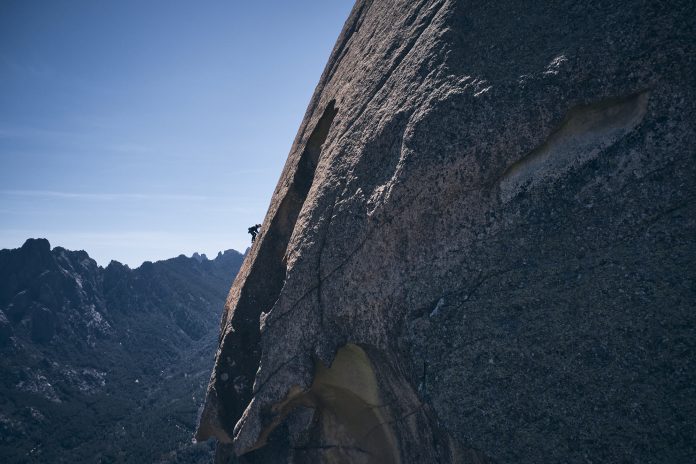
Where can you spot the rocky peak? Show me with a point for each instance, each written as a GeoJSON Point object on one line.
{"type": "Point", "coordinates": [37, 246]}
{"type": "Point", "coordinates": [132, 341]}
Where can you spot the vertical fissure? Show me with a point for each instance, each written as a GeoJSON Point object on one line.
{"type": "Point", "coordinates": [235, 374]}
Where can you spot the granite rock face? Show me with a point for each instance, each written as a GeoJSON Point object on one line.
{"type": "Point", "coordinates": [482, 246]}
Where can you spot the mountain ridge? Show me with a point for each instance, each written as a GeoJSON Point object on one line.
{"type": "Point", "coordinates": [90, 352]}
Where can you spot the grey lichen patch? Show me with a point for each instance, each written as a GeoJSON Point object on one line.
{"type": "Point", "coordinates": [586, 131]}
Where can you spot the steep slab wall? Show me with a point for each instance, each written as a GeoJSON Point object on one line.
{"type": "Point", "coordinates": [489, 214]}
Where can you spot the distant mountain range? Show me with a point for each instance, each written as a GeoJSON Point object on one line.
{"type": "Point", "coordinates": [106, 365]}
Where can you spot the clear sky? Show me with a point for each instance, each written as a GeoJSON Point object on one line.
{"type": "Point", "coordinates": [142, 129]}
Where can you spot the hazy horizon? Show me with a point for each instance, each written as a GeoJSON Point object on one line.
{"type": "Point", "coordinates": [141, 131]}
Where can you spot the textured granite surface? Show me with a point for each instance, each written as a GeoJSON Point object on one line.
{"type": "Point", "coordinates": [490, 207]}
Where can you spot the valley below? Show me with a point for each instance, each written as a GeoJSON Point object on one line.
{"type": "Point", "coordinates": [106, 364]}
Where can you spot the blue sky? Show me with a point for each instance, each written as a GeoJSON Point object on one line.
{"type": "Point", "coordinates": [140, 129]}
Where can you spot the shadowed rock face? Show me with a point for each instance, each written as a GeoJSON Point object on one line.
{"type": "Point", "coordinates": [89, 352]}
{"type": "Point", "coordinates": [482, 246]}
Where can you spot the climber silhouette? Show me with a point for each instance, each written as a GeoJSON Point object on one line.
{"type": "Point", "coordinates": [254, 231]}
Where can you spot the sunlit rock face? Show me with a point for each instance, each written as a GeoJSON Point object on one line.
{"type": "Point", "coordinates": [482, 246]}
